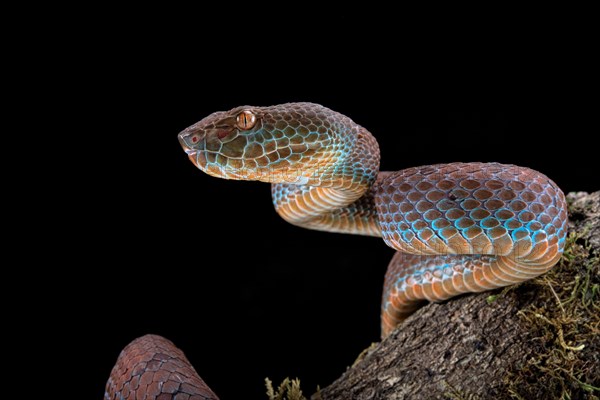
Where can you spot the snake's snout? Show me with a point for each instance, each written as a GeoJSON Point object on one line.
{"type": "Point", "coordinates": [190, 140]}
{"type": "Point", "coordinates": [182, 143]}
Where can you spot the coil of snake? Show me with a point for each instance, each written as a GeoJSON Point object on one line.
{"type": "Point", "coordinates": [457, 228]}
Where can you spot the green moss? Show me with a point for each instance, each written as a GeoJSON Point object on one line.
{"type": "Point", "coordinates": [453, 393]}
{"type": "Point", "coordinates": [364, 353]}
{"type": "Point", "coordinates": [289, 389]}
{"type": "Point", "coordinates": [564, 322]}
{"type": "Point", "coordinates": [492, 298]}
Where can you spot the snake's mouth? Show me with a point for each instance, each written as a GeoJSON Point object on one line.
{"type": "Point", "coordinates": [198, 158]}
{"type": "Point", "coordinates": [204, 160]}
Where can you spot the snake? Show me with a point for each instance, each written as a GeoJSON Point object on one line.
{"type": "Point", "coordinates": [457, 228]}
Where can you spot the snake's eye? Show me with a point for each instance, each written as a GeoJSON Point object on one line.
{"type": "Point", "coordinates": [246, 120]}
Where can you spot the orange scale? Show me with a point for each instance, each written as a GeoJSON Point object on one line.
{"type": "Point", "coordinates": [526, 216]}
{"type": "Point", "coordinates": [445, 185]}
{"type": "Point", "coordinates": [406, 207]}
{"type": "Point", "coordinates": [528, 196]}
{"type": "Point", "coordinates": [440, 223]}
{"type": "Point", "coordinates": [471, 283]}
{"type": "Point", "coordinates": [405, 187]}
{"type": "Point", "coordinates": [513, 224]}
{"type": "Point", "coordinates": [410, 281]}
{"type": "Point", "coordinates": [506, 175]}
{"type": "Point", "coordinates": [552, 211]}
{"type": "Point", "coordinates": [538, 251]}
{"type": "Point", "coordinates": [424, 186]}
{"type": "Point", "coordinates": [482, 245]}
{"type": "Point", "coordinates": [494, 184]}
{"type": "Point", "coordinates": [455, 213]}
{"type": "Point", "coordinates": [489, 223]}
{"type": "Point", "coordinates": [412, 216]}
{"type": "Point", "coordinates": [445, 205]}
{"type": "Point", "coordinates": [423, 206]}
{"type": "Point", "coordinates": [290, 208]}
{"type": "Point", "coordinates": [459, 245]}
{"type": "Point", "coordinates": [517, 205]}
{"type": "Point", "coordinates": [400, 300]}
{"type": "Point", "coordinates": [419, 247]}
{"type": "Point", "coordinates": [396, 237]}
{"type": "Point", "coordinates": [392, 316]}
{"type": "Point", "coordinates": [553, 240]}
{"type": "Point", "coordinates": [563, 213]}
{"type": "Point", "coordinates": [510, 269]}
{"type": "Point", "coordinates": [458, 282]}
{"type": "Point", "coordinates": [435, 195]}
{"type": "Point", "coordinates": [546, 199]}
{"type": "Point", "coordinates": [494, 274]}
{"type": "Point", "coordinates": [540, 236]}
{"type": "Point", "coordinates": [448, 272]}
{"type": "Point", "coordinates": [415, 292]}
{"type": "Point", "coordinates": [507, 194]}
{"type": "Point", "coordinates": [494, 204]}
{"type": "Point", "coordinates": [482, 194]}
{"type": "Point", "coordinates": [481, 280]}
{"type": "Point", "coordinates": [450, 287]}
{"type": "Point", "coordinates": [558, 222]}
{"type": "Point", "coordinates": [552, 256]}
{"type": "Point", "coordinates": [516, 185]}
{"type": "Point", "coordinates": [448, 232]}
{"type": "Point", "coordinates": [425, 233]}
{"type": "Point", "coordinates": [419, 226]}
{"type": "Point", "coordinates": [459, 268]}
{"type": "Point", "coordinates": [536, 208]}
{"type": "Point", "coordinates": [537, 188]}
{"type": "Point", "coordinates": [432, 215]}
{"type": "Point", "coordinates": [503, 245]}
{"type": "Point", "coordinates": [388, 323]}
{"type": "Point", "coordinates": [437, 245]}
{"type": "Point", "coordinates": [464, 223]}
{"type": "Point", "coordinates": [470, 204]}
{"type": "Point", "coordinates": [428, 291]}
{"type": "Point", "coordinates": [414, 196]}
{"type": "Point", "coordinates": [437, 289]}
{"type": "Point", "coordinates": [472, 232]}
{"type": "Point", "coordinates": [479, 214]}
{"type": "Point", "coordinates": [395, 306]}
{"type": "Point", "coordinates": [497, 232]}
{"type": "Point", "coordinates": [521, 248]}
{"type": "Point", "coordinates": [470, 184]}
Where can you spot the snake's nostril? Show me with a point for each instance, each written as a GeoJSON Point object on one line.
{"type": "Point", "coordinates": [190, 140]}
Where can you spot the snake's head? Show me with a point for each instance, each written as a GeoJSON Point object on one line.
{"type": "Point", "coordinates": [285, 143]}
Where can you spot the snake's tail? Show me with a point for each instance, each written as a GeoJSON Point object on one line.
{"type": "Point", "coordinates": [152, 368]}
{"type": "Point", "coordinates": [412, 279]}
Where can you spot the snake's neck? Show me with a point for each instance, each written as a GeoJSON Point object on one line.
{"type": "Point", "coordinates": [339, 196]}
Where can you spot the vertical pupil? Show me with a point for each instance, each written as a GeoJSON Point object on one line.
{"type": "Point", "coordinates": [245, 120]}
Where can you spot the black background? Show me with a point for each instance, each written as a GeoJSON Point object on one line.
{"type": "Point", "coordinates": [207, 263]}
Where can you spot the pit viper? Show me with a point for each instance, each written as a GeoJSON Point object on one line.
{"type": "Point", "coordinates": [457, 228]}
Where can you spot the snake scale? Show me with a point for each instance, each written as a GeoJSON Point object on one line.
{"type": "Point", "coordinates": [457, 228]}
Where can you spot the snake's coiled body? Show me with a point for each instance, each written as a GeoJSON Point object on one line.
{"type": "Point", "coordinates": [460, 227]}
{"type": "Point", "coordinates": [151, 367]}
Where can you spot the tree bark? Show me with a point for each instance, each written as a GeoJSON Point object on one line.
{"type": "Point", "coordinates": [490, 345]}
